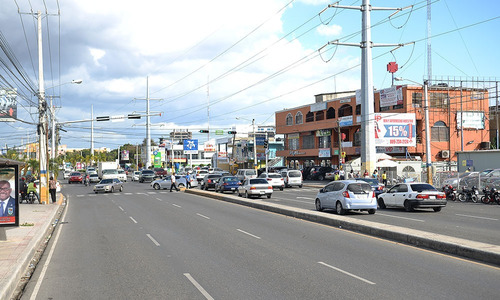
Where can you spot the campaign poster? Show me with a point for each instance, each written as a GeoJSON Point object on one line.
{"type": "Point", "coordinates": [9, 204]}
{"type": "Point", "coordinates": [394, 129]}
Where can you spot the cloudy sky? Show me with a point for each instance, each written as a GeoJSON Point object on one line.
{"type": "Point", "coordinates": [229, 57]}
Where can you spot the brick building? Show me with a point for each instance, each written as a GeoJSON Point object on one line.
{"type": "Point", "coordinates": [312, 132]}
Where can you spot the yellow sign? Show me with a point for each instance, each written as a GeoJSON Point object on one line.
{"type": "Point", "coordinates": [343, 154]}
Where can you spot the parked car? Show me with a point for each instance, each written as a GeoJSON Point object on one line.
{"type": "Point", "coordinates": [136, 175]}
{"type": "Point", "coordinates": [94, 178]}
{"type": "Point", "coordinates": [346, 195]}
{"type": "Point", "coordinates": [244, 174]}
{"type": "Point", "coordinates": [227, 184]}
{"type": "Point", "coordinates": [146, 175]}
{"type": "Point", "coordinates": [319, 173]}
{"type": "Point", "coordinates": [165, 183]}
{"type": "Point", "coordinates": [377, 187]}
{"type": "Point", "coordinates": [201, 174]}
{"type": "Point", "coordinates": [454, 180]}
{"type": "Point", "coordinates": [255, 187]}
{"type": "Point", "coordinates": [292, 178]}
{"type": "Point", "coordinates": [75, 177]}
{"type": "Point", "coordinates": [275, 179]}
{"type": "Point", "coordinates": [209, 181]}
{"type": "Point", "coordinates": [109, 185]}
{"type": "Point", "coordinates": [413, 195]}
{"type": "Point", "coordinates": [122, 175]}
{"type": "Point", "coordinates": [160, 172]}
{"type": "Point", "coordinates": [473, 179]}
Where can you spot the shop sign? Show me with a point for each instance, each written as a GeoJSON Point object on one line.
{"type": "Point", "coordinates": [324, 152]}
{"type": "Point", "coordinates": [296, 152]}
{"type": "Point", "coordinates": [345, 121]}
{"type": "Point", "coordinates": [323, 132]}
{"type": "Point", "coordinates": [395, 129]}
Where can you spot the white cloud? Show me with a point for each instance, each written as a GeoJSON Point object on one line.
{"type": "Point", "coordinates": [332, 30]}
{"type": "Point", "coordinates": [97, 54]}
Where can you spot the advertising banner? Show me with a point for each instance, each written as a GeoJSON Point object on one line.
{"type": "Point", "coordinates": [8, 104]}
{"type": "Point", "coordinates": [345, 121]}
{"type": "Point", "coordinates": [395, 129]}
{"type": "Point", "coordinates": [125, 154]}
{"type": "Point", "coordinates": [324, 152]}
{"type": "Point", "coordinates": [190, 146]}
{"type": "Point", "coordinates": [9, 204]}
{"type": "Point", "coordinates": [391, 96]}
{"type": "Point", "coordinates": [471, 119]}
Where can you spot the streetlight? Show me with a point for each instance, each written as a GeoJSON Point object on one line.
{"type": "Point", "coordinates": [427, 129]}
{"type": "Point", "coordinates": [254, 142]}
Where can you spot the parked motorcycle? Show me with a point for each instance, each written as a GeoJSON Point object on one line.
{"type": "Point", "coordinates": [490, 196]}
{"type": "Point", "coordinates": [32, 197]}
{"type": "Point", "coordinates": [451, 192]}
{"type": "Point", "coordinates": [468, 194]}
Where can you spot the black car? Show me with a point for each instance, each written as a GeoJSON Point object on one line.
{"type": "Point", "coordinates": [377, 187]}
{"type": "Point", "coordinates": [318, 173]}
{"type": "Point", "coordinates": [209, 181]}
{"type": "Point", "coordinates": [147, 175]}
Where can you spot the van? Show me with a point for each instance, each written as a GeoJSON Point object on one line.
{"type": "Point", "coordinates": [292, 178]}
{"type": "Point", "coordinates": [246, 174]}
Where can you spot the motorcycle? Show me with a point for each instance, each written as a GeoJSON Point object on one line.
{"type": "Point", "coordinates": [468, 195]}
{"type": "Point", "coordinates": [451, 193]}
{"type": "Point", "coordinates": [32, 197]}
{"type": "Point", "coordinates": [86, 181]}
{"type": "Point", "coordinates": [490, 196]}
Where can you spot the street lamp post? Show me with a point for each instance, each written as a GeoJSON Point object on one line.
{"type": "Point", "coordinates": [254, 142]}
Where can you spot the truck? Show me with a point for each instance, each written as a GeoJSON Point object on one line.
{"type": "Point", "coordinates": [105, 165]}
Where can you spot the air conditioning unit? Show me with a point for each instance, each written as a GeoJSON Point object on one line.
{"type": "Point", "coordinates": [445, 153]}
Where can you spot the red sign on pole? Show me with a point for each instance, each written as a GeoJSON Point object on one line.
{"type": "Point", "coordinates": [392, 67]}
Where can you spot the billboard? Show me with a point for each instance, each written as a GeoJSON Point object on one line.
{"type": "Point", "coordinates": [9, 204]}
{"type": "Point", "coordinates": [391, 96]}
{"type": "Point", "coordinates": [190, 147]}
{"type": "Point", "coordinates": [395, 129]}
{"type": "Point", "coordinates": [471, 119]}
{"type": "Point", "coordinates": [8, 104]}
{"type": "Point", "coordinates": [125, 155]}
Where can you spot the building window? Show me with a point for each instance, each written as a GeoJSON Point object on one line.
{"type": "Point", "coordinates": [320, 115]}
{"type": "Point", "coordinates": [416, 99]}
{"type": "Point", "coordinates": [397, 106]}
{"type": "Point", "coordinates": [385, 108]}
{"type": "Point", "coordinates": [308, 142]}
{"type": "Point", "coordinates": [440, 132]}
{"type": "Point", "coordinates": [439, 100]}
{"type": "Point", "coordinates": [289, 120]}
{"type": "Point", "coordinates": [358, 109]}
{"type": "Point", "coordinates": [345, 110]}
{"type": "Point", "coordinates": [293, 144]}
{"type": "Point", "coordinates": [299, 118]}
{"type": "Point", "coordinates": [310, 117]}
{"type": "Point", "coordinates": [357, 138]}
{"type": "Point", "coordinates": [330, 113]}
{"type": "Point", "coordinates": [324, 141]}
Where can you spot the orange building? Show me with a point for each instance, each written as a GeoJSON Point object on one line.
{"type": "Point", "coordinates": [312, 132]}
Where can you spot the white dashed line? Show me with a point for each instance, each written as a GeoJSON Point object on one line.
{"type": "Point", "coordinates": [345, 272]}
{"type": "Point", "coordinates": [398, 217]}
{"type": "Point", "coordinates": [242, 231]}
{"type": "Point", "coordinates": [198, 286]}
{"type": "Point", "coordinates": [484, 218]}
{"type": "Point", "coordinates": [153, 240]}
{"type": "Point", "coordinates": [176, 205]}
{"type": "Point", "coordinates": [203, 216]}
{"type": "Point", "coordinates": [127, 193]}
{"type": "Point", "coordinates": [133, 220]}
{"type": "Point", "coordinates": [307, 198]}
{"type": "Point", "coordinates": [121, 208]}
{"type": "Point", "coordinates": [159, 199]}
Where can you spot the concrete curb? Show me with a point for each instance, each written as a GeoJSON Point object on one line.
{"type": "Point", "coordinates": [35, 247]}
{"type": "Point", "coordinates": [456, 246]}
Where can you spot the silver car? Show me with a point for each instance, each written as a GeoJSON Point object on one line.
{"type": "Point", "coordinates": [109, 185]}
{"type": "Point", "coordinates": [165, 183]}
{"type": "Point", "coordinates": [345, 195]}
{"type": "Point", "coordinates": [94, 178]}
{"type": "Point", "coordinates": [255, 187]}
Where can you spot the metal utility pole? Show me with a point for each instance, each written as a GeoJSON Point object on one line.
{"type": "Point", "coordinates": [254, 146]}
{"type": "Point", "coordinates": [428, 152]}
{"type": "Point", "coordinates": [92, 131]}
{"type": "Point", "coordinates": [43, 191]}
{"type": "Point", "coordinates": [429, 52]}
{"type": "Point", "coordinates": [368, 149]}
{"type": "Point", "coordinates": [340, 144]}
{"type": "Point", "coordinates": [496, 112]}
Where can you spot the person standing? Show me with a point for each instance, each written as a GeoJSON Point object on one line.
{"type": "Point", "coordinates": [52, 189]}
{"type": "Point", "coordinates": [366, 174]}
{"type": "Point", "coordinates": [188, 181]}
{"type": "Point", "coordinates": [375, 174]}
{"type": "Point", "coordinates": [7, 202]}
{"type": "Point", "coordinates": [384, 178]}
{"type": "Point", "coordinates": [172, 182]}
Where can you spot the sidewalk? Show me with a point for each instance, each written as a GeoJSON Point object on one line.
{"type": "Point", "coordinates": [16, 253]}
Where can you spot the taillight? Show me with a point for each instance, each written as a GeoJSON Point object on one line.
{"type": "Point", "coordinates": [420, 196]}
{"type": "Point", "coordinates": [209, 181]}
{"type": "Point", "coordinates": [225, 183]}
{"type": "Point", "coordinates": [269, 179]}
{"type": "Point", "coordinates": [269, 187]}
{"type": "Point", "coordinates": [441, 196]}
{"type": "Point", "coordinates": [253, 188]}
{"type": "Point", "coordinates": [372, 195]}
{"type": "Point", "coordinates": [282, 179]}
{"type": "Point", "coordinates": [346, 194]}
{"type": "Point", "coordinates": [380, 188]}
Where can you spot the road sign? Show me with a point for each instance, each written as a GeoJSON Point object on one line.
{"type": "Point", "coordinates": [219, 132]}
{"type": "Point", "coordinates": [190, 146]}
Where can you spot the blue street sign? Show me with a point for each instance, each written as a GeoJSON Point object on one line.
{"type": "Point", "coordinates": [190, 146]}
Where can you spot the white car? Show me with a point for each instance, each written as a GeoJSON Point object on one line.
{"type": "Point", "coordinates": [165, 183]}
{"type": "Point", "coordinates": [255, 187]}
{"type": "Point", "coordinates": [66, 174]}
{"type": "Point", "coordinates": [110, 174]}
{"type": "Point", "coordinates": [346, 195]}
{"type": "Point", "coordinates": [201, 174]}
{"type": "Point", "coordinates": [275, 179]}
{"type": "Point", "coordinates": [136, 175]}
{"type": "Point", "coordinates": [122, 175]}
{"type": "Point", "coordinates": [292, 178]}
{"type": "Point", "coordinates": [413, 195]}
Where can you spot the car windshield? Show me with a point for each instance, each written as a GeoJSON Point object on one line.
{"type": "Point", "coordinates": [214, 176]}
{"type": "Point", "coordinates": [359, 188]}
{"type": "Point", "coordinates": [137, 172]}
{"type": "Point", "coordinates": [419, 187]}
{"type": "Point", "coordinates": [274, 176]}
{"type": "Point", "coordinates": [93, 175]}
{"type": "Point", "coordinates": [106, 181]}
{"type": "Point", "coordinates": [75, 174]}
{"type": "Point", "coordinates": [258, 181]}
{"type": "Point", "coordinates": [230, 179]}
{"type": "Point", "coordinates": [148, 172]}
{"type": "Point", "coordinates": [109, 171]}
{"type": "Point", "coordinates": [121, 171]}
{"type": "Point", "coordinates": [294, 174]}
{"type": "Point", "coordinates": [371, 181]}
{"type": "Point", "coordinates": [251, 172]}
{"type": "Point", "coordinates": [486, 172]}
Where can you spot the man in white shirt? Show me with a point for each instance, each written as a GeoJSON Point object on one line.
{"type": "Point", "coordinates": [172, 180]}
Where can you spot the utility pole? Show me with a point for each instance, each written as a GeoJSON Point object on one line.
{"type": "Point", "coordinates": [92, 132]}
{"type": "Point", "coordinates": [368, 152]}
{"type": "Point", "coordinates": [254, 146]}
{"type": "Point", "coordinates": [340, 144]}
{"type": "Point", "coordinates": [428, 154]}
{"type": "Point", "coordinates": [42, 119]}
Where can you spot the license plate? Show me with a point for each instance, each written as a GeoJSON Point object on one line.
{"type": "Point", "coordinates": [432, 197]}
{"type": "Point", "coordinates": [232, 189]}
{"type": "Point", "coordinates": [262, 192]}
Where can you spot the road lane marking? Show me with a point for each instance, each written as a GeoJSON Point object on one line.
{"type": "Point", "coordinates": [398, 217]}
{"type": "Point", "coordinates": [152, 193]}
{"type": "Point", "coordinates": [153, 240]}
{"type": "Point", "coordinates": [198, 286]}
{"type": "Point", "coordinates": [127, 193]}
{"type": "Point", "coordinates": [121, 208]}
{"type": "Point", "coordinates": [345, 272]}
{"type": "Point", "coordinates": [307, 198]}
{"type": "Point", "coordinates": [484, 218]}
{"type": "Point", "coordinates": [242, 231]}
{"type": "Point", "coordinates": [159, 199]}
{"type": "Point", "coordinates": [287, 199]}
{"type": "Point", "coordinates": [133, 220]}
{"type": "Point", "coordinates": [176, 205]}
{"type": "Point", "coordinates": [203, 216]}
{"type": "Point", "coordinates": [80, 195]}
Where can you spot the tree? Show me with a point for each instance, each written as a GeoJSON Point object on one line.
{"type": "Point", "coordinates": [152, 143]}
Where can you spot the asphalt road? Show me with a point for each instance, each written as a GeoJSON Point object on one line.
{"type": "Point", "coordinates": [160, 245]}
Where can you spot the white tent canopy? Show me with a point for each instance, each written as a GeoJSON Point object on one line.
{"type": "Point", "coordinates": [385, 163]}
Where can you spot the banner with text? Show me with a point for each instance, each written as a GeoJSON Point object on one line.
{"type": "Point", "coordinates": [395, 129]}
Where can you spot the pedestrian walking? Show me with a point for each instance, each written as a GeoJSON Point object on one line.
{"type": "Point", "coordinates": [172, 180]}
{"type": "Point", "coordinates": [188, 181]}
{"type": "Point", "coordinates": [52, 189]}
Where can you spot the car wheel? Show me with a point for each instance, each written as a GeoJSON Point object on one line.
{"type": "Point", "coordinates": [246, 195]}
{"type": "Point", "coordinates": [269, 196]}
{"type": "Point", "coordinates": [371, 211]}
{"type": "Point", "coordinates": [381, 203]}
{"type": "Point", "coordinates": [95, 192]}
{"type": "Point", "coordinates": [281, 188]}
{"type": "Point", "coordinates": [339, 208]}
{"type": "Point", "coordinates": [239, 194]}
{"type": "Point", "coordinates": [156, 186]}
{"type": "Point", "coordinates": [181, 185]}
{"type": "Point", "coordinates": [121, 189]}
{"type": "Point", "coordinates": [300, 186]}
{"type": "Point", "coordinates": [408, 206]}
{"type": "Point", "coordinates": [112, 189]}
{"type": "Point", "coordinates": [437, 209]}
{"type": "Point", "coordinates": [318, 205]}
{"type": "Point", "coordinates": [321, 178]}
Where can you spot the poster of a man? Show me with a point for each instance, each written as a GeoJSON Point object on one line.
{"type": "Point", "coordinates": [8, 197]}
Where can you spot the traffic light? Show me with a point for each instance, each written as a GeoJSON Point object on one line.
{"type": "Point", "coordinates": [231, 132]}
{"type": "Point", "coordinates": [266, 144]}
{"type": "Point", "coordinates": [203, 131]}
